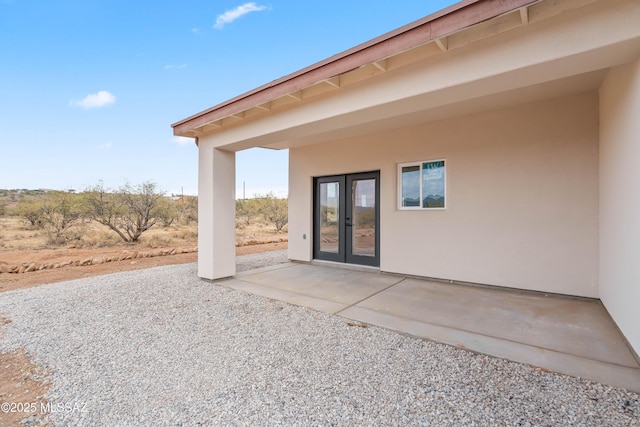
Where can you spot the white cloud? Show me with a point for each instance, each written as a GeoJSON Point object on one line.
{"type": "Point", "coordinates": [182, 140]}
{"type": "Point", "coordinates": [231, 15]}
{"type": "Point", "coordinates": [175, 67]}
{"type": "Point", "coordinates": [106, 146]}
{"type": "Point", "coordinates": [94, 100]}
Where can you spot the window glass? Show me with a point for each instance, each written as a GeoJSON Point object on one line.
{"type": "Point", "coordinates": [433, 184]}
{"type": "Point", "coordinates": [329, 217]}
{"type": "Point", "coordinates": [422, 185]}
{"type": "Point", "coordinates": [410, 186]}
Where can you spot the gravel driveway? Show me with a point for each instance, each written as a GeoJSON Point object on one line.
{"type": "Point", "coordinates": [160, 347]}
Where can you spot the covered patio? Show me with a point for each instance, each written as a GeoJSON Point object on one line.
{"type": "Point", "coordinates": [573, 336]}
{"type": "Point", "coordinates": [527, 109]}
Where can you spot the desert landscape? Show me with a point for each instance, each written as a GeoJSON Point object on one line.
{"type": "Point", "coordinates": [34, 253]}
{"type": "Point", "coordinates": [29, 256]}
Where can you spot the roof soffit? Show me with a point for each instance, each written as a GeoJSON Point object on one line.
{"type": "Point", "coordinates": [433, 34]}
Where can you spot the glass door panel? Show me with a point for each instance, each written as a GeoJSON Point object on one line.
{"type": "Point", "coordinates": [363, 214]}
{"type": "Point", "coordinates": [329, 218]}
{"type": "Point", "coordinates": [329, 200]}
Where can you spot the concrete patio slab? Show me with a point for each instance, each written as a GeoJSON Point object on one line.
{"type": "Point", "coordinates": [515, 316]}
{"type": "Point", "coordinates": [517, 351]}
{"type": "Point", "coordinates": [567, 335]}
{"type": "Point", "coordinates": [286, 296]}
{"type": "Point", "coordinates": [341, 286]}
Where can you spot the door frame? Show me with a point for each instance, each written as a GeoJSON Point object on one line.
{"type": "Point", "coordinates": [345, 200]}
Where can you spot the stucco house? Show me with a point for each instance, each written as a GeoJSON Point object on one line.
{"type": "Point", "coordinates": [494, 142]}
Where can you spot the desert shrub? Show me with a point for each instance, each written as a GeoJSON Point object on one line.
{"type": "Point", "coordinates": [188, 209]}
{"type": "Point", "coordinates": [129, 212]}
{"type": "Point", "coordinates": [247, 209]}
{"type": "Point", "coordinates": [59, 213]}
{"type": "Point", "coordinates": [167, 212]}
{"type": "Point", "coordinates": [29, 211]}
{"type": "Point", "coordinates": [274, 210]}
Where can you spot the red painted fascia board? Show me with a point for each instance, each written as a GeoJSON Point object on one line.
{"type": "Point", "coordinates": [447, 21]}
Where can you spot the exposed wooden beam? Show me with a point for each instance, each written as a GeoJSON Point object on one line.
{"type": "Point", "coordinates": [238, 115]}
{"type": "Point", "coordinates": [210, 126]}
{"type": "Point", "coordinates": [524, 15]}
{"type": "Point", "coordinates": [265, 107]}
{"type": "Point", "coordinates": [380, 65]}
{"type": "Point", "coordinates": [295, 95]}
{"type": "Point", "coordinates": [333, 81]}
{"type": "Point", "coordinates": [442, 43]}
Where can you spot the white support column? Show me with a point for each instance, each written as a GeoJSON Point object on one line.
{"type": "Point", "coordinates": [216, 212]}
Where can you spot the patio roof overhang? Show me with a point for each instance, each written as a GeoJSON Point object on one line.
{"type": "Point", "coordinates": [452, 44]}
{"type": "Point", "coordinates": [331, 73]}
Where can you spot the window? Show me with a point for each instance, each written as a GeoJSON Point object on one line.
{"type": "Point", "coordinates": [422, 185]}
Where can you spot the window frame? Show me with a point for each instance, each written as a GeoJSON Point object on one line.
{"type": "Point", "coordinates": [420, 165]}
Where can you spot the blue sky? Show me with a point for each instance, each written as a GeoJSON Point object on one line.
{"type": "Point", "coordinates": [89, 89]}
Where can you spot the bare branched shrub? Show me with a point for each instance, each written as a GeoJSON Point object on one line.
{"type": "Point", "coordinates": [129, 212]}
{"type": "Point", "coordinates": [274, 210]}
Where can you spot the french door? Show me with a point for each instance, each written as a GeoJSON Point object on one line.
{"type": "Point", "coordinates": [347, 218]}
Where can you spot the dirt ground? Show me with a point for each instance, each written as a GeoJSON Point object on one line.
{"type": "Point", "coordinates": [22, 383]}
{"type": "Point", "coordinates": [51, 256]}
{"type": "Point", "coordinates": [22, 245]}
{"type": "Point", "coordinates": [22, 387]}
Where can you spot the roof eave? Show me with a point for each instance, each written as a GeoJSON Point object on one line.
{"type": "Point", "coordinates": [432, 27]}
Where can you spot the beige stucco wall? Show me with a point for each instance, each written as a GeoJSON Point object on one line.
{"type": "Point", "coordinates": [620, 198]}
{"type": "Point", "coordinates": [522, 188]}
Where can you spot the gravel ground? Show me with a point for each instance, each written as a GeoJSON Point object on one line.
{"type": "Point", "coordinates": [160, 347]}
{"type": "Point", "coordinates": [263, 259]}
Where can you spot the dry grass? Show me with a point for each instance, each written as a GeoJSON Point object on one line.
{"type": "Point", "coordinates": [22, 246]}
{"type": "Point", "coordinates": [15, 235]}
{"type": "Point", "coordinates": [258, 231]}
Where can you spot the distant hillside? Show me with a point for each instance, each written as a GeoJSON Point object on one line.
{"type": "Point", "coordinates": [431, 201]}
{"type": "Point", "coordinates": [434, 201]}
{"type": "Point", "coordinates": [9, 198]}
